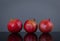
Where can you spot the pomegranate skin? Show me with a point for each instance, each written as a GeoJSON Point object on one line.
{"type": "Point", "coordinates": [14, 26]}
{"type": "Point", "coordinates": [45, 26]}
{"type": "Point", "coordinates": [30, 26]}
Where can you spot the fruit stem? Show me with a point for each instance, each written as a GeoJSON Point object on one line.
{"type": "Point", "coordinates": [11, 19]}
{"type": "Point", "coordinates": [49, 19]}
{"type": "Point", "coordinates": [33, 19]}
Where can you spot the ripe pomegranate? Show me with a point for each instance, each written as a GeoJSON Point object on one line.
{"type": "Point", "coordinates": [14, 25]}
{"type": "Point", "coordinates": [46, 26]}
{"type": "Point", "coordinates": [30, 26]}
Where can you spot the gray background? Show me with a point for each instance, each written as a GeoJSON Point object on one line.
{"type": "Point", "coordinates": [27, 9]}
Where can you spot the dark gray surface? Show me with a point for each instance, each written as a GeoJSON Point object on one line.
{"type": "Point", "coordinates": [55, 36]}
{"type": "Point", "coordinates": [27, 9]}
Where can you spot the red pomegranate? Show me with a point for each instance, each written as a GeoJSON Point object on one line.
{"type": "Point", "coordinates": [46, 26]}
{"type": "Point", "coordinates": [30, 26]}
{"type": "Point", "coordinates": [14, 25]}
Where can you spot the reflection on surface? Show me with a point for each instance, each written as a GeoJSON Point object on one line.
{"type": "Point", "coordinates": [55, 36]}
{"type": "Point", "coordinates": [14, 37]}
{"type": "Point", "coordinates": [30, 37]}
{"type": "Point", "coordinates": [45, 37]}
